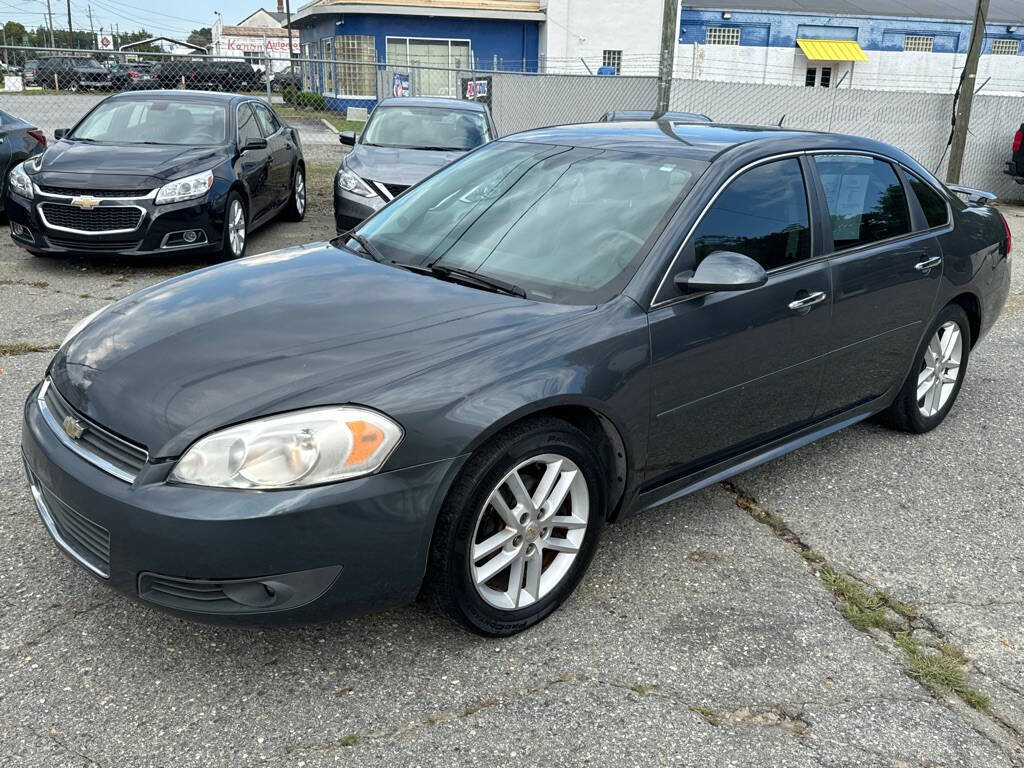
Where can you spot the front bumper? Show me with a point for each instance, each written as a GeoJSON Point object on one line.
{"type": "Point", "coordinates": [1016, 170]}
{"type": "Point", "coordinates": [352, 210]}
{"type": "Point", "coordinates": [160, 228]}
{"type": "Point", "coordinates": [215, 554]}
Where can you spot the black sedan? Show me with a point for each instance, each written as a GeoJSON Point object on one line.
{"type": "Point", "coordinates": [404, 141]}
{"type": "Point", "coordinates": [156, 172]}
{"type": "Point", "coordinates": [565, 327]}
{"type": "Point", "coordinates": [18, 142]}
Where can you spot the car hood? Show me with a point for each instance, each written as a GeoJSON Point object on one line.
{"type": "Point", "coordinates": [312, 325]}
{"type": "Point", "coordinates": [397, 166]}
{"type": "Point", "coordinates": [68, 163]}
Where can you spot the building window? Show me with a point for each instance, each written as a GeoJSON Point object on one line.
{"type": "Point", "coordinates": [433, 64]}
{"type": "Point", "coordinates": [1006, 47]}
{"type": "Point", "coordinates": [612, 59]}
{"type": "Point", "coordinates": [357, 57]}
{"type": "Point", "coordinates": [918, 43]}
{"type": "Point", "coordinates": [723, 36]}
{"type": "Point", "coordinates": [812, 78]}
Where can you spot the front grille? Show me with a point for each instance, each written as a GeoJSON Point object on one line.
{"type": "Point", "coordinates": [76, 192]}
{"type": "Point", "coordinates": [106, 450]}
{"type": "Point", "coordinates": [110, 218]}
{"type": "Point", "coordinates": [94, 246]}
{"type": "Point", "coordinates": [86, 541]}
{"type": "Point", "coordinates": [395, 189]}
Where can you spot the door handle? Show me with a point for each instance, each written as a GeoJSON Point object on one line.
{"type": "Point", "coordinates": [807, 301]}
{"type": "Point", "coordinates": [928, 264]}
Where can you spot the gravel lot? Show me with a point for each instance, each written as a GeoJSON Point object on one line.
{"type": "Point", "coordinates": [704, 633]}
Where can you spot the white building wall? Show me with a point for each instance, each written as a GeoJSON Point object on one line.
{"type": "Point", "coordinates": [584, 29]}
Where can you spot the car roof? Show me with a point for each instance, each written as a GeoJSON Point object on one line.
{"type": "Point", "coordinates": [432, 101]}
{"type": "Point", "coordinates": [701, 141]}
{"type": "Point", "coordinates": [176, 95]}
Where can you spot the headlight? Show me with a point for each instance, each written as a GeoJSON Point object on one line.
{"type": "Point", "coordinates": [20, 181]}
{"type": "Point", "coordinates": [185, 189]}
{"type": "Point", "coordinates": [349, 182]}
{"type": "Point", "coordinates": [80, 325]}
{"type": "Point", "coordinates": [318, 445]}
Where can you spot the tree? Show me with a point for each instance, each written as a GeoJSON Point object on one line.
{"type": "Point", "coordinates": [202, 36]}
{"type": "Point", "coordinates": [14, 33]}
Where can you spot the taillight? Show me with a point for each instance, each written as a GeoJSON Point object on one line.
{"type": "Point", "coordinates": [133, 73]}
{"type": "Point", "coordinates": [1018, 139]}
{"type": "Point", "coordinates": [38, 135]}
{"type": "Point", "coordinates": [1009, 235]}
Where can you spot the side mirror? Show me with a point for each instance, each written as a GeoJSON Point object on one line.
{"type": "Point", "coordinates": [348, 138]}
{"type": "Point", "coordinates": [255, 143]}
{"type": "Point", "coordinates": [723, 271]}
{"type": "Point", "coordinates": [60, 133]}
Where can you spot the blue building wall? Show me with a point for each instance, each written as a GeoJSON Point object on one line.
{"type": "Point", "coordinates": [514, 43]}
{"type": "Point", "coordinates": [872, 33]}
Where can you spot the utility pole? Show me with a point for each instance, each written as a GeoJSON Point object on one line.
{"type": "Point", "coordinates": [49, 23]}
{"type": "Point", "coordinates": [92, 30]}
{"type": "Point", "coordinates": [962, 115]}
{"type": "Point", "coordinates": [669, 41]}
{"type": "Point", "coordinates": [71, 32]}
{"type": "Point", "coordinates": [291, 56]}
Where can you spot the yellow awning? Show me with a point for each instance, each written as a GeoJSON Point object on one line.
{"type": "Point", "coordinates": [832, 50]}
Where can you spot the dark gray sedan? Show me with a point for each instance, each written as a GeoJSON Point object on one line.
{"type": "Point", "coordinates": [564, 328]}
{"type": "Point", "coordinates": [19, 141]}
{"type": "Point", "coordinates": [404, 141]}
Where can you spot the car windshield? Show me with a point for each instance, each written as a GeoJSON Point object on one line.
{"type": "Point", "coordinates": [86, 63]}
{"type": "Point", "coordinates": [426, 128]}
{"type": "Point", "coordinates": [154, 121]}
{"type": "Point", "coordinates": [564, 224]}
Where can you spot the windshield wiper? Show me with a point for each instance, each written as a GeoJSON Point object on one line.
{"type": "Point", "coordinates": [475, 279]}
{"type": "Point", "coordinates": [368, 249]}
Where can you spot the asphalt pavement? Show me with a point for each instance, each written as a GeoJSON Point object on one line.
{"type": "Point", "coordinates": [705, 633]}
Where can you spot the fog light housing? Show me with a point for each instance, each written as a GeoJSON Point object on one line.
{"type": "Point", "coordinates": [183, 238]}
{"type": "Point", "coordinates": [20, 230]}
{"type": "Point", "coordinates": [190, 236]}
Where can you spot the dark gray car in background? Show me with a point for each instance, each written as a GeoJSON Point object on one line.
{"type": "Point", "coordinates": [565, 327]}
{"type": "Point", "coordinates": [19, 141]}
{"type": "Point", "coordinates": [404, 141]}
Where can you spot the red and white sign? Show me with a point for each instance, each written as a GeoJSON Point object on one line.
{"type": "Point", "coordinates": [106, 43]}
{"type": "Point", "coordinates": [256, 45]}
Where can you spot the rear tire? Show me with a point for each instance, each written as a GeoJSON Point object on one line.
{"type": "Point", "coordinates": [536, 546]}
{"type": "Point", "coordinates": [934, 381]}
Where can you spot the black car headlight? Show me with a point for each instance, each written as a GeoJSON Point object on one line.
{"type": "Point", "coordinates": [188, 188]}
{"type": "Point", "coordinates": [290, 450]}
{"type": "Point", "coordinates": [20, 182]}
{"type": "Point", "coordinates": [349, 182]}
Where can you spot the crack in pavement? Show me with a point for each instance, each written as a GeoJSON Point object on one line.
{"type": "Point", "coordinates": [37, 638]}
{"type": "Point", "coordinates": [61, 744]}
{"type": "Point", "coordinates": [1010, 737]}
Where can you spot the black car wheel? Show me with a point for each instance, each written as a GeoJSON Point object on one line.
{"type": "Point", "coordinates": [236, 224]}
{"type": "Point", "coordinates": [518, 528]}
{"type": "Point", "coordinates": [296, 208]}
{"type": "Point", "coordinates": [934, 381]}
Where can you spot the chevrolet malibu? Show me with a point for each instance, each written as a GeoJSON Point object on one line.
{"type": "Point", "coordinates": [563, 328]}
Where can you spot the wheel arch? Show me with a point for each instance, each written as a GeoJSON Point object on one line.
{"type": "Point", "coordinates": [972, 307]}
{"type": "Point", "coordinates": [617, 453]}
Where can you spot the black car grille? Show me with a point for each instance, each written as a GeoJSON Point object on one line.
{"type": "Point", "coordinates": [393, 189]}
{"type": "Point", "coordinates": [96, 444]}
{"type": "Point", "coordinates": [85, 540]}
{"type": "Point", "coordinates": [100, 219]}
{"type": "Point", "coordinates": [76, 192]}
{"type": "Point", "coordinates": [94, 246]}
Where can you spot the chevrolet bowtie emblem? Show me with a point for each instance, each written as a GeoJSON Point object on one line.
{"type": "Point", "coordinates": [86, 202]}
{"type": "Point", "coordinates": [73, 427]}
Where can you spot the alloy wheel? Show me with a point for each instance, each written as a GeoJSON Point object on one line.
{"type": "Point", "coordinates": [529, 531]}
{"type": "Point", "coordinates": [300, 192]}
{"type": "Point", "coordinates": [236, 227]}
{"type": "Point", "coordinates": [940, 369]}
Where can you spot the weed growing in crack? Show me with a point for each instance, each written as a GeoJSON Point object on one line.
{"type": "Point", "coordinates": [941, 670]}
{"type": "Point", "coordinates": [642, 688]}
{"type": "Point", "coordinates": [472, 709]}
{"type": "Point", "coordinates": [862, 608]}
{"type": "Point", "coordinates": [23, 348]}
{"type": "Point", "coordinates": [350, 741]}
{"type": "Point", "coordinates": [707, 714]}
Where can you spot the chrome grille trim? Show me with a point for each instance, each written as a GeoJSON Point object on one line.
{"type": "Point", "coordinates": [77, 447]}
{"type": "Point", "coordinates": [121, 231]}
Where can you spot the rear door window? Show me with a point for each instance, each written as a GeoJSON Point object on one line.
{"type": "Point", "coordinates": [268, 122]}
{"type": "Point", "coordinates": [762, 214]}
{"type": "Point", "coordinates": [247, 126]}
{"type": "Point", "coordinates": [936, 212]}
{"type": "Point", "coordinates": [866, 202]}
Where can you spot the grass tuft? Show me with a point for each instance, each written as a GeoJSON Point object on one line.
{"type": "Point", "coordinates": [942, 670]}
{"type": "Point", "coordinates": [350, 741]}
{"type": "Point", "coordinates": [23, 348]}
{"type": "Point", "coordinates": [862, 608]}
{"type": "Point", "coordinates": [642, 688]}
{"type": "Point", "coordinates": [472, 709]}
{"type": "Point", "coordinates": [707, 714]}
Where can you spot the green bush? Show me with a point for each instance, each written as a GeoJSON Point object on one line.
{"type": "Point", "coordinates": [302, 99]}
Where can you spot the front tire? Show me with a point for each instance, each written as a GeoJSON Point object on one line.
{"type": "Point", "coordinates": [518, 529]}
{"type": "Point", "coordinates": [295, 210]}
{"type": "Point", "coordinates": [938, 373]}
{"type": "Point", "coordinates": [236, 228]}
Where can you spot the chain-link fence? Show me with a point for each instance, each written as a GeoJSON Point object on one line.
{"type": "Point", "coordinates": [321, 96]}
